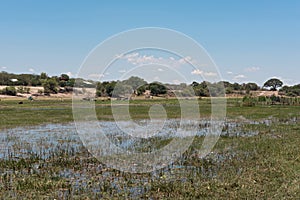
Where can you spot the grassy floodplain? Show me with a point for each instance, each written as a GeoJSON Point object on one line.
{"type": "Point", "coordinates": [262, 166]}
{"type": "Point", "coordinates": [37, 112]}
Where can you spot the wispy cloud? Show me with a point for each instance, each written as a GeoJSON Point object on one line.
{"type": "Point", "coordinates": [210, 74]}
{"type": "Point", "coordinates": [252, 69]}
{"type": "Point", "coordinates": [229, 72]}
{"type": "Point", "coordinates": [3, 67]}
{"type": "Point", "coordinates": [137, 59]}
{"type": "Point", "coordinates": [239, 77]}
{"type": "Point", "coordinates": [200, 72]}
{"type": "Point", "coordinates": [31, 70]}
{"type": "Point", "coordinates": [197, 72]}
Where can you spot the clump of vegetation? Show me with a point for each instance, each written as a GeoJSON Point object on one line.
{"type": "Point", "coordinates": [249, 101]}
{"type": "Point", "coordinates": [40, 92]}
{"type": "Point", "coordinates": [23, 90]}
{"type": "Point", "coordinates": [269, 100]}
{"type": "Point", "coordinates": [50, 86]}
{"type": "Point", "coordinates": [10, 90]}
{"type": "Point", "coordinates": [157, 88]}
{"type": "Point", "coordinates": [291, 91]}
{"type": "Point", "coordinates": [133, 86]}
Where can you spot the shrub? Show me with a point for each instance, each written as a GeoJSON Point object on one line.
{"type": "Point", "coordinates": [262, 99]}
{"type": "Point", "coordinates": [249, 101]}
{"type": "Point", "coordinates": [40, 91]}
{"type": "Point", "coordinates": [50, 86]}
{"type": "Point", "coordinates": [23, 90]}
{"type": "Point", "coordinates": [10, 90]}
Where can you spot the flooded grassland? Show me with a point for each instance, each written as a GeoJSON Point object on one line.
{"type": "Point", "coordinates": [43, 157]}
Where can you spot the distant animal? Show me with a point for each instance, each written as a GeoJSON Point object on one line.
{"type": "Point", "coordinates": [21, 102]}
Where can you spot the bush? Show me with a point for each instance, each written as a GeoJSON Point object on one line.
{"type": "Point", "coordinates": [23, 90]}
{"type": "Point", "coordinates": [249, 101]}
{"type": "Point", "coordinates": [157, 89]}
{"type": "Point", "coordinates": [10, 90]}
{"type": "Point", "coordinates": [274, 98]}
{"type": "Point", "coordinates": [50, 86]}
{"type": "Point", "coordinates": [40, 91]}
{"type": "Point", "coordinates": [291, 94]}
{"type": "Point", "coordinates": [262, 99]}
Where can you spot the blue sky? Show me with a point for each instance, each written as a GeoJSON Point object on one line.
{"type": "Point", "coordinates": [248, 40]}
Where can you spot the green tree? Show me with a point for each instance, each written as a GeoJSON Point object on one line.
{"type": "Point", "coordinates": [236, 86]}
{"type": "Point", "coordinates": [157, 88]}
{"type": "Point", "coordinates": [251, 86]}
{"type": "Point", "coordinates": [64, 77]}
{"type": "Point", "coordinates": [135, 82]}
{"type": "Point", "coordinates": [101, 89]}
{"type": "Point", "coordinates": [109, 88]}
{"type": "Point", "coordinates": [273, 84]}
{"type": "Point", "coordinates": [43, 75]}
{"type": "Point", "coordinates": [200, 89]}
{"type": "Point", "coordinates": [50, 86]}
{"type": "Point", "coordinates": [292, 91]}
{"type": "Point", "coordinates": [140, 90]}
{"type": "Point", "coordinates": [122, 90]}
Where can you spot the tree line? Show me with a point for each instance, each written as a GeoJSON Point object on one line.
{"type": "Point", "coordinates": [51, 85]}
{"type": "Point", "coordinates": [135, 85]}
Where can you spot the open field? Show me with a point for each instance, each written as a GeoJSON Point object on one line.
{"type": "Point", "coordinates": [46, 111]}
{"type": "Point", "coordinates": [257, 156]}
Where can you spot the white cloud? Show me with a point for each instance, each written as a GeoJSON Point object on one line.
{"type": "Point", "coordinates": [31, 70]}
{"type": "Point", "coordinates": [137, 59]}
{"type": "Point", "coordinates": [199, 72]}
{"type": "Point", "coordinates": [160, 70]}
{"type": "Point", "coordinates": [229, 72]}
{"type": "Point", "coordinates": [210, 74]}
{"type": "Point", "coordinates": [239, 77]}
{"type": "Point", "coordinates": [3, 67]}
{"type": "Point", "coordinates": [252, 69]}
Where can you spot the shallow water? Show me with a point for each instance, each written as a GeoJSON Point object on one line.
{"type": "Point", "coordinates": [44, 139]}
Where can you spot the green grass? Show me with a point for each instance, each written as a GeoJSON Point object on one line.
{"type": "Point", "coordinates": [266, 166]}
{"type": "Point", "coordinates": [37, 112]}
{"type": "Point", "coordinates": [260, 167]}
